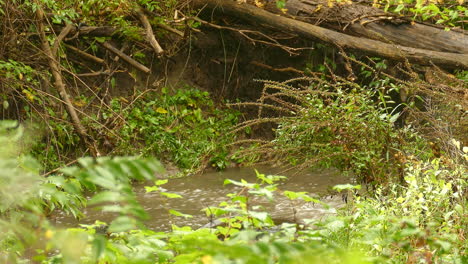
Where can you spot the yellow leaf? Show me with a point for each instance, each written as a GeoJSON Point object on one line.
{"type": "Point", "coordinates": [284, 10]}
{"type": "Point", "coordinates": [123, 99]}
{"type": "Point", "coordinates": [161, 110]}
{"type": "Point", "coordinates": [28, 95]}
{"type": "Point", "coordinates": [461, 2]}
{"type": "Point", "coordinates": [49, 234]}
{"type": "Point", "coordinates": [259, 3]}
{"type": "Point", "coordinates": [330, 4]}
{"type": "Point", "coordinates": [318, 8]}
{"type": "Point", "coordinates": [79, 103]}
{"type": "Point", "coordinates": [20, 76]}
{"type": "Point", "coordinates": [207, 259]}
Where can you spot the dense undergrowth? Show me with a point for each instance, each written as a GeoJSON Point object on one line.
{"type": "Point", "coordinates": [419, 220]}
{"type": "Point", "coordinates": [184, 128]}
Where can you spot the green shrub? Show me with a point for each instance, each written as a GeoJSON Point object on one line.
{"type": "Point", "coordinates": [423, 218]}
{"type": "Point", "coordinates": [330, 124]}
{"type": "Point", "coordinates": [184, 128]}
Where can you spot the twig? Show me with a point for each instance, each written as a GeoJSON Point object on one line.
{"type": "Point", "coordinates": [379, 16]}
{"type": "Point", "coordinates": [244, 32]}
{"type": "Point", "coordinates": [85, 54]}
{"type": "Point", "coordinates": [170, 29]}
{"type": "Point", "coordinates": [126, 58]}
{"type": "Point", "coordinates": [287, 69]}
{"type": "Point", "coordinates": [92, 74]}
{"type": "Point", "coordinates": [59, 168]}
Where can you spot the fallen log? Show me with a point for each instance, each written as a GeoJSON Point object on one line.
{"type": "Point", "coordinates": [396, 52]}
{"type": "Point", "coordinates": [366, 21]}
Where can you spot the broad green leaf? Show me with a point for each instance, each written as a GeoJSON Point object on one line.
{"type": "Point", "coordinates": [122, 223]}
{"type": "Point", "coordinates": [106, 197]}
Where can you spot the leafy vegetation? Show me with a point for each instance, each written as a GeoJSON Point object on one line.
{"type": "Point", "coordinates": [422, 218]}
{"type": "Point", "coordinates": [335, 124]}
{"type": "Point", "coordinates": [448, 13]}
{"type": "Point", "coordinates": [184, 128]}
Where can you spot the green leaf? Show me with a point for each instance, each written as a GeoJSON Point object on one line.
{"type": "Point", "coordinates": [122, 223]}
{"type": "Point", "coordinates": [106, 197]}
{"type": "Point", "coordinates": [151, 189]}
{"type": "Point", "coordinates": [262, 216]}
{"type": "Point", "coordinates": [177, 213]}
{"type": "Point", "coordinates": [399, 8]}
{"type": "Point", "coordinates": [280, 4]}
{"type": "Point", "coordinates": [99, 246]}
{"type": "Point", "coordinates": [160, 182]}
{"type": "Point", "coordinates": [101, 39]}
{"type": "Point", "coordinates": [171, 195]}
{"type": "Point", "coordinates": [348, 186]}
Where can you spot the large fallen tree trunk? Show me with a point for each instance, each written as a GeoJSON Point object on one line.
{"type": "Point", "coordinates": [257, 15]}
{"type": "Point", "coordinates": [373, 23]}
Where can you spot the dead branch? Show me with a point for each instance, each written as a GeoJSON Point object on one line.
{"type": "Point", "coordinates": [92, 74]}
{"type": "Point", "coordinates": [68, 27]}
{"type": "Point", "coordinates": [171, 29]}
{"type": "Point", "coordinates": [60, 85]}
{"type": "Point", "coordinates": [85, 54]}
{"type": "Point", "coordinates": [287, 69]}
{"type": "Point", "coordinates": [126, 58]}
{"type": "Point", "coordinates": [149, 32]}
{"type": "Point", "coordinates": [245, 33]}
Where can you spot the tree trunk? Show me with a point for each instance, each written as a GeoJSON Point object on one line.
{"type": "Point", "coordinates": [373, 23]}
{"type": "Point", "coordinates": [457, 58]}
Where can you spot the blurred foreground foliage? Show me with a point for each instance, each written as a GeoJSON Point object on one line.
{"type": "Point", "coordinates": [420, 219]}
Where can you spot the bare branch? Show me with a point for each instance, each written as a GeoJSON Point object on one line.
{"type": "Point", "coordinates": [126, 58]}
{"type": "Point", "coordinates": [149, 32]}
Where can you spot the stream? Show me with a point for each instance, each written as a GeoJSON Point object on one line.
{"type": "Point", "coordinates": [207, 190]}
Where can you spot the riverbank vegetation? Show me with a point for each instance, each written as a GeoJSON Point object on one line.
{"type": "Point", "coordinates": [97, 96]}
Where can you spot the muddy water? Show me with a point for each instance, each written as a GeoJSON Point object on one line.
{"type": "Point", "coordinates": [207, 190]}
